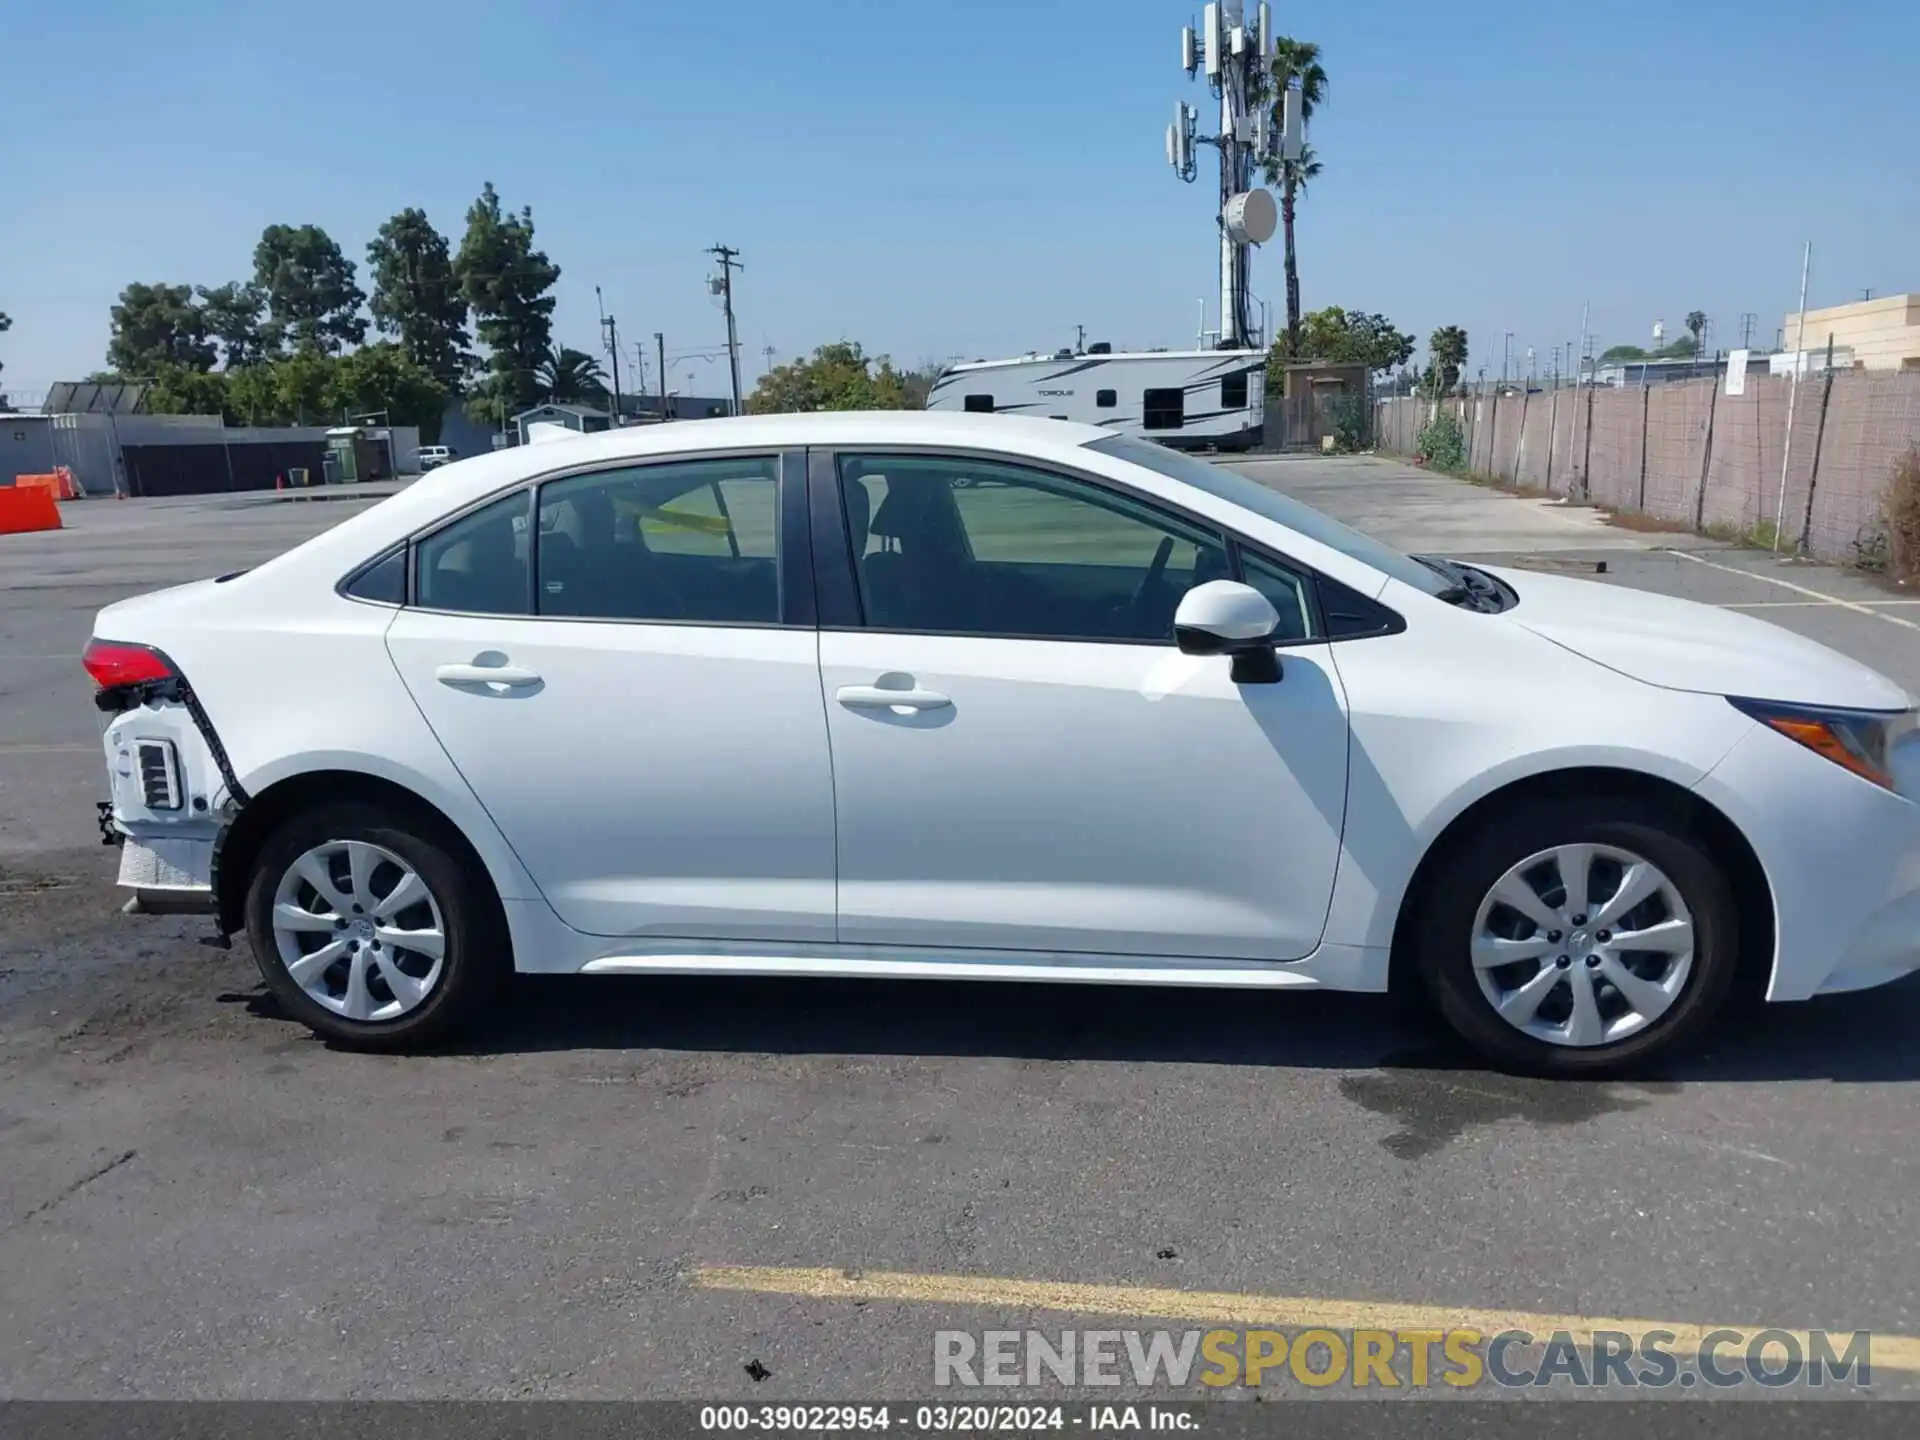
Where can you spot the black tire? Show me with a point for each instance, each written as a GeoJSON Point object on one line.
{"type": "Point", "coordinates": [1446, 917]}
{"type": "Point", "coordinates": [477, 955]}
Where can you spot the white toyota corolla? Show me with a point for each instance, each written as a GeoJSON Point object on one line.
{"type": "Point", "coordinates": [971, 697]}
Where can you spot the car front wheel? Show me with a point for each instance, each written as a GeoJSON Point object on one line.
{"type": "Point", "coordinates": [370, 930]}
{"type": "Point", "coordinates": [1579, 937]}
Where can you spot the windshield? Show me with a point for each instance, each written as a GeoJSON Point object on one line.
{"type": "Point", "coordinates": [1262, 500]}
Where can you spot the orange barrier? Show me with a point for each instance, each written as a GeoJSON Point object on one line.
{"type": "Point", "coordinates": [59, 481]}
{"type": "Point", "coordinates": [27, 507]}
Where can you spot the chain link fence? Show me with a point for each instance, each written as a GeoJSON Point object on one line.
{"type": "Point", "coordinates": [1814, 463]}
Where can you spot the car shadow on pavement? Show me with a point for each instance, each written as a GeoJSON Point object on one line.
{"type": "Point", "coordinates": [1868, 1037]}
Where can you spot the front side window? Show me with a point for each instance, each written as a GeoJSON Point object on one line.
{"type": "Point", "coordinates": [1233, 392]}
{"type": "Point", "coordinates": [1286, 590]}
{"type": "Point", "coordinates": [478, 564]}
{"type": "Point", "coordinates": [693, 543]}
{"type": "Point", "coordinates": [962, 546]}
{"type": "Point", "coordinates": [1106, 399]}
{"type": "Point", "coordinates": [978, 404]}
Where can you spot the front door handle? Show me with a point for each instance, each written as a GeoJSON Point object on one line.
{"type": "Point", "coordinates": [877, 697]}
{"type": "Point", "coordinates": [511, 676]}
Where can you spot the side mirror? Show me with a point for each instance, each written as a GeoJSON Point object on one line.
{"type": "Point", "coordinates": [1224, 617]}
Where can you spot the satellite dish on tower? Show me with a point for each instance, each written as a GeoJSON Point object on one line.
{"type": "Point", "coordinates": [1251, 217]}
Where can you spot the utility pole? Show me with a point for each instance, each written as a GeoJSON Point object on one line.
{"type": "Point", "coordinates": [660, 347]}
{"type": "Point", "coordinates": [611, 335]}
{"type": "Point", "coordinates": [1080, 342]}
{"type": "Point", "coordinates": [768, 352]}
{"type": "Point", "coordinates": [1747, 320]}
{"type": "Point", "coordinates": [729, 262]}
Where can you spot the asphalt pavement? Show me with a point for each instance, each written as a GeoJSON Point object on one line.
{"type": "Point", "coordinates": [647, 1188]}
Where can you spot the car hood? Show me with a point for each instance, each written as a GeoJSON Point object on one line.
{"type": "Point", "coordinates": [1684, 645]}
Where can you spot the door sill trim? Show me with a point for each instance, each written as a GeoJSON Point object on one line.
{"type": "Point", "coordinates": [1346, 969]}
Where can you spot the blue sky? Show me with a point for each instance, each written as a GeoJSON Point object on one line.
{"type": "Point", "coordinates": [965, 177]}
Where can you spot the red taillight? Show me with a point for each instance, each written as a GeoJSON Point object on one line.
{"type": "Point", "coordinates": [112, 664]}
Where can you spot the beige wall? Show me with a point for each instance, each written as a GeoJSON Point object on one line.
{"type": "Point", "coordinates": [1884, 334]}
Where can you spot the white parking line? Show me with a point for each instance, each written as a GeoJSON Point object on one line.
{"type": "Point", "coordinates": [1820, 596]}
{"type": "Point", "coordinates": [1798, 604]}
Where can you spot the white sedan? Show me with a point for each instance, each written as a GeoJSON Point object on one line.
{"type": "Point", "coordinates": [968, 697]}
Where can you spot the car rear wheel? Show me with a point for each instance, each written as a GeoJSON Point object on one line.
{"type": "Point", "coordinates": [1579, 936]}
{"type": "Point", "coordinates": [368, 928]}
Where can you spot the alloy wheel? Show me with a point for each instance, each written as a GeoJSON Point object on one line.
{"type": "Point", "coordinates": [359, 930]}
{"type": "Point", "coordinates": [1582, 945]}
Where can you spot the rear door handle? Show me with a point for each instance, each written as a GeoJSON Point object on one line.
{"type": "Point", "coordinates": [511, 676]}
{"type": "Point", "coordinates": [875, 697]}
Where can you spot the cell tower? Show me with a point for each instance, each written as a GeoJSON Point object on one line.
{"type": "Point", "coordinates": [1237, 66]}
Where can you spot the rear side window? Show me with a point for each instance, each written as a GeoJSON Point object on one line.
{"type": "Point", "coordinates": [1163, 409]}
{"type": "Point", "coordinates": [979, 404]}
{"type": "Point", "coordinates": [1233, 392]}
{"type": "Point", "coordinates": [692, 543]}
{"type": "Point", "coordinates": [384, 582]}
{"type": "Point", "coordinates": [478, 565]}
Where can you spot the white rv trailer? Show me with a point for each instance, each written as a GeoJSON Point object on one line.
{"type": "Point", "coordinates": [1187, 399]}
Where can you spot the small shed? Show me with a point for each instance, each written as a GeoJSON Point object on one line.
{"type": "Point", "coordinates": [1313, 394]}
{"type": "Point", "coordinates": [551, 421]}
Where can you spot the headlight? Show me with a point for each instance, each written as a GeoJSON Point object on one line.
{"type": "Point", "coordinates": [1860, 740]}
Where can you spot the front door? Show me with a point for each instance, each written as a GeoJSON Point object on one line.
{"type": "Point", "coordinates": [608, 666]}
{"type": "Point", "coordinates": [1022, 758]}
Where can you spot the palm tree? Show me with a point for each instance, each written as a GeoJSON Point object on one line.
{"type": "Point", "coordinates": [567, 375]}
{"type": "Point", "coordinates": [1295, 62]}
{"type": "Point", "coordinates": [1696, 327]}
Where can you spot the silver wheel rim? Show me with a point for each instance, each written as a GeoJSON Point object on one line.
{"type": "Point", "coordinates": [359, 931]}
{"type": "Point", "coordinates": [1582, 945]}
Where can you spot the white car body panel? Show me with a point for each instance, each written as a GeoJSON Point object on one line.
{"type": "Point", "coordinates": [1014, 848]}
{"type": "Point", "coordinates": [660, 780]}
{"type": "Point", "coordinates": [1121, 799]}
{"type": "Point", "coordinates": [1680, 645]}
{"type": "Point", "coordinates": [1428, 745]}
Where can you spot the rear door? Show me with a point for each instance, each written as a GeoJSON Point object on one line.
{"type": "Point", "coordinates": [623, 664]}
{"type": "Point", "coordinates": [1023, 759]}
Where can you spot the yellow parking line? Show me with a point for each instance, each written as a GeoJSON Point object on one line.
{"type": "Point", "coordinates": [1289, 1312]}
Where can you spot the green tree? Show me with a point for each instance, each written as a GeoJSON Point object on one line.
{"type": "Point", "coordinates": [1353, 337]}
{"type": "Point", "coordinates": [568, 376]}
{"type": "Point", "coordinates": [1697, 327]}
{"type": "Point", "coordinates": [179, 390]}
{"type": "Point", "coordinates": [303, 387]}
{"type": "Point", "coordinates": [253, 396]}
{"type": "Point", "coordinates": [1295, 62]}
{"type": "Point", "coordinates": [233, 316]}
{"type": "Point", "coordinates": [507, 282]}
{"type": "Point", "coordinates": [839, 376]}
{"type": "Point", "coordinates": [308, 285]}
{"type": "Point", "coordinates": [155, 326]}
{"type": "Point", "coordinates": [418, 298]}
{"type": "Point", "coordinates": [1621, 354]}
{"type": "Point", "coordinates": [917, 384]}
{"type": "Point", "coordinates": [1446, 358]}
{"type": "Point", "coordinates": [384, 378]}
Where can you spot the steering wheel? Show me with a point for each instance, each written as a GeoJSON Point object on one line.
{"type": "Point", "coordinates": [1150, 583]}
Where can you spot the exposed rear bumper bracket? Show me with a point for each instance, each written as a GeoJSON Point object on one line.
{"type": "Point", "coordinates": [109, 832]}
